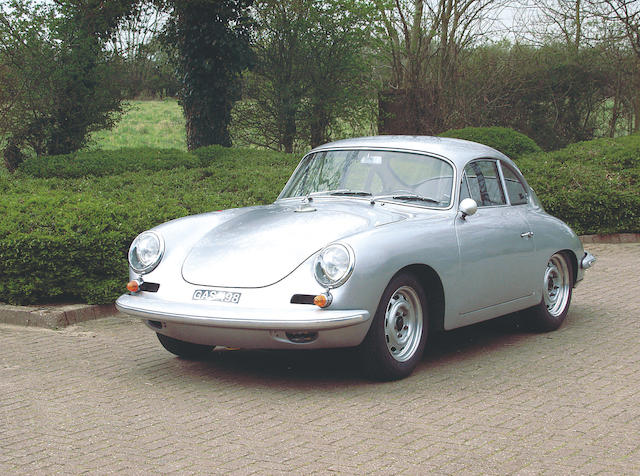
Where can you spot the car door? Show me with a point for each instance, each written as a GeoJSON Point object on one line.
{"type": "Point", "coordinates": [496, 247]}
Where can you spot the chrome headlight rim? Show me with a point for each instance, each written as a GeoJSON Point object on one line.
{"type": "Point", "coordinates": [151, 266]}
{"type": "Point", "coordinates": [319, 272]}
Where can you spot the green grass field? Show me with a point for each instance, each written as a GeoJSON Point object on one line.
{"type": "Point", "coordinates": [157, 124]}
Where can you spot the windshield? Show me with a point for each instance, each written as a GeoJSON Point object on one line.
{"type": "Point", "coordinates": [403, 176]}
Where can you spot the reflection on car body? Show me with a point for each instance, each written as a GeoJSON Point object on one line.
{"type": "Point", "coordinates": [373, 243]}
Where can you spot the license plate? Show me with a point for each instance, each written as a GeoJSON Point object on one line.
{"type": "Point", "coordinates": [216, 295]}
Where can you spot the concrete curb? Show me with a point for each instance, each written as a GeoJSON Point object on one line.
{"type": "Point", "coordinates": [614, 238]}
{"type": "Point", "coordinates": [53, 316]}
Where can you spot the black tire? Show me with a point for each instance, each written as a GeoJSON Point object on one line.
{"type": "Point", "coordinates": [387, 353]}
{"type": "Point", "coordinates": [556, 295]}
{"type": "Point", "coordinates": [186, 350]}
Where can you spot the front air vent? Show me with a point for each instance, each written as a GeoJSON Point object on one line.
{"type": "Point", "coordinates": [149, 287]}
{"type": "Point", "coordinates": [302, 299]}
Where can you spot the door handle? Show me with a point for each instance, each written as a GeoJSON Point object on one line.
{"type": "Point", "coordinates": [528, 234]}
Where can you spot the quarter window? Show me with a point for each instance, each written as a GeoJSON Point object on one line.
{"type": "Point", "coordinates": [515, 188]}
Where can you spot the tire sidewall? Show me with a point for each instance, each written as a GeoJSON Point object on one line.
{"type": "Point", "coordinates": [377, 360]}
{"type": "Point", "coordinates": [542, 318]}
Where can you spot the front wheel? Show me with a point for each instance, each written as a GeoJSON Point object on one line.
{"type": "Point", "coordinates": [556, 295]}
{"type": "Point", "coordinates": [396, 339]}
{"type": "Point", "coordinates": [184, 349]}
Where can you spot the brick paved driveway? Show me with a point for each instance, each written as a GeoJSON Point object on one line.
{"type": "Point", "coordinates": [104, 397]}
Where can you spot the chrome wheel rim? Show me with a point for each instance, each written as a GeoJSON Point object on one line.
{"type": "Point", "coordinates": [403, 324]}
{"type": "Point", "coordinates": [556, 285]}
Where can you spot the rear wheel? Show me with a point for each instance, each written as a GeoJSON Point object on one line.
{"type": "Point", "coordinates": [556, 295]}
{"type": "Point", "coordinates": [396, 339]}
{"type": "Point", "coordinates": [184, 349]}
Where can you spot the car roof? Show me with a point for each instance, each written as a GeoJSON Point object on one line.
{"type": "Point", "coordinates": [457, 150]}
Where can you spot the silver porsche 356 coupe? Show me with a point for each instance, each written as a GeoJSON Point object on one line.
{"type": "Point", "coordinates": [374, 242]}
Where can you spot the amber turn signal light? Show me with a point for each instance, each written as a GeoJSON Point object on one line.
{"type": "Point", "coordinates": [322, 300]}
{"type": "Point", "coordinates": [133, 286]}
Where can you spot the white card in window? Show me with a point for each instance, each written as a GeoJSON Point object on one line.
{"type": "Point", "coordinates": [371, 159]}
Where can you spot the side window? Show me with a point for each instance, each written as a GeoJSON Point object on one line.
{"type": "Point", "coordinates": [482, 182]}
{"type": "Point", "coordinates": [515, 188]}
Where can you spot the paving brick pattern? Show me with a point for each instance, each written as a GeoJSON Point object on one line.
{"type": "Point", "coordinates": [103, 397]}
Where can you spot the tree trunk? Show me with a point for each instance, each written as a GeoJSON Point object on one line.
{"type": "Point", "coordinates": [13, 156]}
{"type": "Point", "coordinates": [207, 120]}
{"type": "Point", "coordinates": [615, 112]}
{"type": "Point", "coordinates": [319, 126]}
{"type": "Point", "coordinates": [636, 113]}
{"type": "Point", "coordinates": [289, 133]}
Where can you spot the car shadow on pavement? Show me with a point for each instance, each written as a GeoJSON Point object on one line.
{"type": "Point", "coordinates": [341, 366]}
{"type": "Point", "coordinates": [467, 343]}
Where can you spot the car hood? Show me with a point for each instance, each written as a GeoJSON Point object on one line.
{"type": "Point", "coordinates": [265, 244]}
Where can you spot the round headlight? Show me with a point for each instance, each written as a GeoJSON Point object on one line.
{"type": "Point", "coordinates": [334, 265]}
{"type": "Point", "coordinates": [146, 252]}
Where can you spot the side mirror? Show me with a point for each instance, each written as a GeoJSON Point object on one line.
{"type": "Point", "coordinates": [468, 207]}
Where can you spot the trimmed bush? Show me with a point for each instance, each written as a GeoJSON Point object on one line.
{"type": "Point", "coordinates": [512, 143]}
{"type": "Point", "coordinates": [215, 153]}
{"type": "Point", "coordinates": [67, 239]}
{"type": "Point", "coordinates": [594, 186]}
{"type": "Point", "coordinates": [107, 162]}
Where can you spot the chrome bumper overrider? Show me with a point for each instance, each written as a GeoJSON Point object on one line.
{"type": "Point", "coordinates": [300, 317]}
{"type": "Point", "coordinates": [587, 260]}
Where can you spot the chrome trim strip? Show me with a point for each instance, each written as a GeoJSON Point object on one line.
{"type": "Point", "coordinates": [347, 275]}
{"type": "Point", "coordinates": [311, 319]}
{"type": "Point", "coordinates": [149, 268]}
{"type": "Point", "coordinates": [503, 182]}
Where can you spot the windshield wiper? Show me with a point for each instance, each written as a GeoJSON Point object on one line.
{"type": "Point", "coordinates": [405, 196]}
{"type": "Point", "coordinates": [342, 191]}
{"type": "Point", "coordinates": [355, 193]}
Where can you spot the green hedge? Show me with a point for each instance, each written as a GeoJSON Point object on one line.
{"type": "Point", "coordinates": [67, 239]}
{"type": "Point", "coordinates": [512, 143]}
{"type": "Point", "coordinates": [107, 162]}
{"type": "Point", "coordinates": [594, 186]}
{"type": "Point", "coordinates": [215, 154]}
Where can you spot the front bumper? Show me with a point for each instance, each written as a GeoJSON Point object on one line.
{"type": "Point", "coordinates": [224, 324]}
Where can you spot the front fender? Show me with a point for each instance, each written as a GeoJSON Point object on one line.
{"type": "Point", "coordinates": [382, 252]}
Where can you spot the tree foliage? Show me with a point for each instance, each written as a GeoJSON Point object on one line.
{"type": "Point", "coordinates": [57, 80]}
{"type": "Point", "coordinates": [311, 71]}
{"type": "Point", "coordinates": [275, 90]}
{"type": "Point", "coordinates": [550, 96]}
{"type": "Point", "coordinates": [425, 44]}
{"type": "Point", "coordinates": [210, 40]}
{"type": "Point", "coordinates": [146, 69]}
{"type": "Point", "coordinates": [622, 21]}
